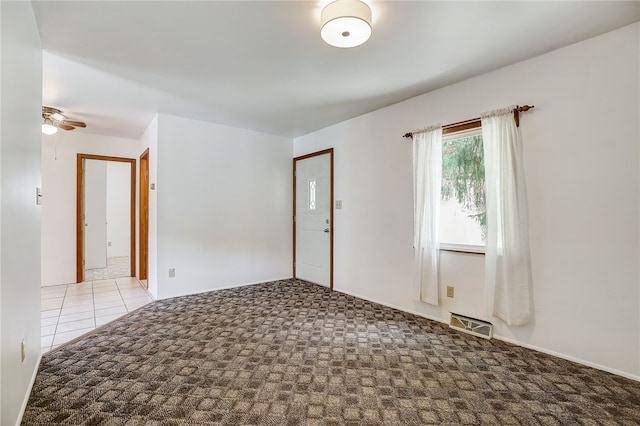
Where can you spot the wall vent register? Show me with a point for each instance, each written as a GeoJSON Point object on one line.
{"type": "Point", "coordinates": [471, 325]}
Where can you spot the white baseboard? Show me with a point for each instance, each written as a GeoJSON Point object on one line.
{"type": "Point", "coordinates": [23, 407]}
{"type": "Point", "coordinates": [506, 339]}
{"type": "Point", "coordinates": [252, 283]}
{"type": "Point", "coordinates": [569, 358]}
{"type": "Point", "coordinates": [389, 305]}
{"type": "Point", "coordinates": [226, 287]}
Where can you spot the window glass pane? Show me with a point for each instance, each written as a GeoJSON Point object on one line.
{"type": "Point", "coordinates": [312, 195]}
{"type": "Point", "coordinates": [462, 208]}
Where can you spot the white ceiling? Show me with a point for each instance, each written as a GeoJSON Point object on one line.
{"type": "Point", "coordinates": [262, 65]}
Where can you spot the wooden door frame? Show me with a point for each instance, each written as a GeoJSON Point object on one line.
{"type": "Point", "coordinates": [293, 217]}
{"type": "Point", "coordinates": [80, 200]}
{"type": "Point", "coordinates": [143, 219]}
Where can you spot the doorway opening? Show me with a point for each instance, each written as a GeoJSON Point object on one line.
{"type": "Point", "coordinates": [313, 217]}
{"type": "Point", "coordinates": [100, 250]}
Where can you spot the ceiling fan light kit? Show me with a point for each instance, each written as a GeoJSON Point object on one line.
{"type": "Point", "coordinates": [48, 128]}
{"type": "Point", "coordinates": [53, 119]}
{"type": "Point", "coordinates": [346, 23]}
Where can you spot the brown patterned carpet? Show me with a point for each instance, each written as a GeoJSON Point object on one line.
{"type": "Point", "coordinates": [292, 353]}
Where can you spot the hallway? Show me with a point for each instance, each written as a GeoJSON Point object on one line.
{"type": "Point", "coordinates": [71, 310]}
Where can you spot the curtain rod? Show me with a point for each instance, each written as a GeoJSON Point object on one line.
{"type": "Point", "coordinates": [475, 122]}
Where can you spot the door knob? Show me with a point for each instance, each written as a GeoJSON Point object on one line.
{"type": "Point", "coordinates": [326, 230]}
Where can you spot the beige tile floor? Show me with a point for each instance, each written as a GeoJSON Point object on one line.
{"type": "Point", "coordinates": [117, 266]}
{"type": "Point", "coordinates": [71, 310]}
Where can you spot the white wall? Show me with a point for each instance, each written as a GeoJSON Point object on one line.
{"type": "Point", "coordinates": [581, 163]}
{"type": "Point", "coordinates": [118, 208]}
{"type": "Point", "coordinates": [223, 206]}
{"type": "Point", "coordinates": [59, 162]}
{"type": "Point", "coordinates": [21, 98]}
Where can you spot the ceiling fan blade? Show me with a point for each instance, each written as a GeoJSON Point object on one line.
{"type": "Point", "coordinates": [64, 126]}
{"type": "Point", "coordinates": [75, 123]}
{"type": "Point", "coordinates": [49, 111]}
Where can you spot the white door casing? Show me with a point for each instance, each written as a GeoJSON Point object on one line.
{"type": "Point", "coordinates": [313, 218]}
{"type": "Point", "coordinates": [95, 214]}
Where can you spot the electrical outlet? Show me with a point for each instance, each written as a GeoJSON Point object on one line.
{"type": "Point", "coordinates": [450, 289]}
{"type": "Point", "coordinates": [338, 204]}
{"type": "Point", "coordinates": [109, 244]}
{"type": "Point", "coordinates": [172, 272]}
{"type": "Point", "coordinates": [23, 351]}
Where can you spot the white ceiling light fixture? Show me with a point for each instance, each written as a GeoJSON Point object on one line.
{"type": "Point", "coordinates": [48, 128]}
{"type": "Point", "coordinates": [346, 23]}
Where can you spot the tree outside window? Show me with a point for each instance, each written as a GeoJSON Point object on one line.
{"type": "Point", "coordinates": [463, 217]}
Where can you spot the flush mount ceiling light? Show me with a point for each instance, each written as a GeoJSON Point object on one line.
{"type": "Point", "coordinates": [346, 23]}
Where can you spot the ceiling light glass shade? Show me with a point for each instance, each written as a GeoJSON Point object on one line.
{"type": "Point", "coordinates": [346, 23]}
{"type": "Point", "coordinates": [48, 129]}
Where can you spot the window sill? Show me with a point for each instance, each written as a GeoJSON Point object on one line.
{"type": "Point", "coordinates": [459, 248]}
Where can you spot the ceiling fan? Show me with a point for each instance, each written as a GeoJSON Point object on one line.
{"type": "Point", "coordinates": [53, 119]}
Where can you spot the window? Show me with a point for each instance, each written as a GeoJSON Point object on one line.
{"type": "Point", "coordinates": [312, 195]}
{"type": "Point", "coordinates": [463, 217]}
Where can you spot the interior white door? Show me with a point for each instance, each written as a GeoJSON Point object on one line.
{"type": "Point", "coordinates": [312, 219]}
{"type": "Point", "coordinates": [95, 214]}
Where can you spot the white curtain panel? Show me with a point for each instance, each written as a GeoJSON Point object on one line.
{"type": "Point", "coordinates": [427, 178]}
{"type": "Point", "coordinates": [507, 258]}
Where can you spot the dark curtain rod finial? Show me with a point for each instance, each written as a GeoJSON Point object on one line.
{"type": "Point", "coordinates": [517, 110]}
{"type": "Point", "coordinates": [525, 108]}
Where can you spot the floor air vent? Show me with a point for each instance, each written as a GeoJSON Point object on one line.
{"type": "Point", "coordinates": [472, 326]}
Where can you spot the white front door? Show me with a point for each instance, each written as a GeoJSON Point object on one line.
{"type": "Point", "coordinates": [313, 219]}
{"type": "Point", "coordinates": [95, 214]}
